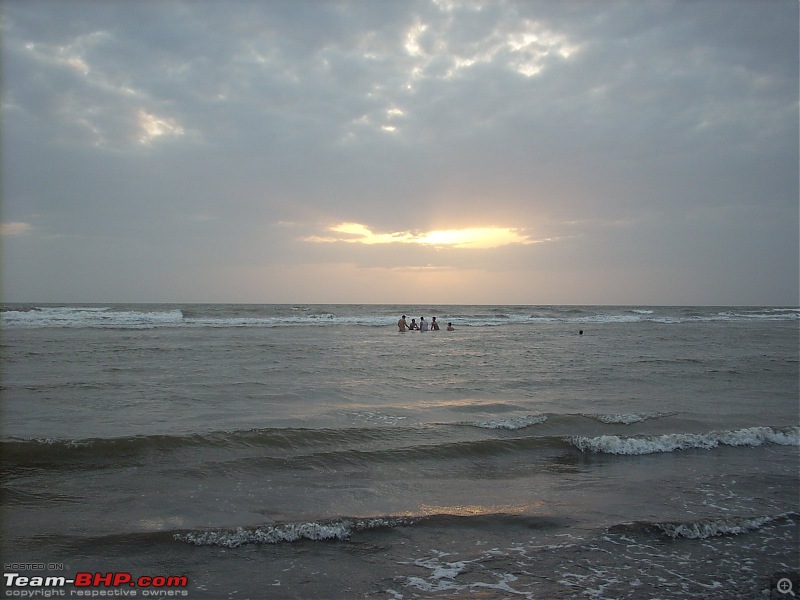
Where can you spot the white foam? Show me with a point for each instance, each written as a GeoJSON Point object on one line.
{"type": "Point", "coordinates": [148, 317]}
{"type": "Point", "coordinates": [715, 527]}
{"type": "Point", "coordinates": [89, 316]}
{"type": "Point", "coordinates": [374, 417]}
{"type": "Point", "coordinates": [669, 320]}
{"type": "Point", "coordinates": [623, 419]}
{"type": "Point", "coordinates": [752, 436]}
{"type": "Point", "coordinates": [597, 318]}
{"type": "Point", "coordinates": [69, 443]}
{"type": "Point", "coordinates": [289, 532]}
{"type": "Point", "coordinates": [437, 586]}
{"type": "Point", "coordinates": [768, 314]}
{"type": "Point", "coordinates": [442, 570]}
{"type": "Point", "coordinates": [443, 576]}
{"type": "Point", "coordinates": [268, 535]}
{"type": "Point", "coordinates": [511, 423]}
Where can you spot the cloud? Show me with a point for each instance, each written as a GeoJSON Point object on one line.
{"type": "Point", "coordinates": [76, 86]}
{"type": "Point", "coordinates": [15, 228]}
{"type": "Point", "coordinates": [636, 137]}
{"type": "Point", "coordinates": [153, 127]}
{"type": "Point", "coordinates": [470, 237]}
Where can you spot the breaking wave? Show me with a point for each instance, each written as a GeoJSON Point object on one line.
{"type": "Point", "coordinates": [122, 316]}
{"type": "Point", "coordinates": [343, 528]}
{"type": "Point", "coordinates": [332, 448]}
{"type": "Point", "coordinates": [339, 529]}
{"type": "Point", "coordinates": [511, 423]}
{"type": "Point", "coordinates": [752, 436]}
{"type": "Point", "coordinates": [705, 528]}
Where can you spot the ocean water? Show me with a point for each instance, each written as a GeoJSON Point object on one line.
{"type": "Point", "coordinates": [316, 452]}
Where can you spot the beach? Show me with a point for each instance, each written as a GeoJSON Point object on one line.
{"type": "Point", "coordinates": [313, 451]}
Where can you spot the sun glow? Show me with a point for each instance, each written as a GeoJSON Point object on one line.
{"type": "Point", "coordinates": [471, 237]}
{"type": "Point", "coordinates": [152, 126]}
{"type": "Point", "coordinates": [475, 237]}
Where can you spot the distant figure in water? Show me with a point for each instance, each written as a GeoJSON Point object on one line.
{"type": "Point", "coordinates": [434, 325]}
{"type": "Point", "coordinates": [423, 324]}
{"type": "Point", "coordinates": [413, 325]}
{"type": "Point", "coordinates": [580, 332]}
{"type": "Point", "coordinates": [402, 325]}
{"type": "Point", "coordinates": [450, 327]}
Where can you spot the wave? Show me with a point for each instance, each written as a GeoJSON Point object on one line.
{"type": "Point", "coordinates": [34, 449]}
{"type": "Point", "coordinates": [295, 438]}
{"type": "Point", "coordinates": [336, 529]}
{"type": "Point", "coordinates": [89, 316]}
{"type": "Point", "coordinates": [266, 316]}
{"type": "Point", "coordinates": [523, 422]}
{"type": "Point", "coordinates": [705, 528]}
{"type": "Point", "coordinates": [752, 436]}
{"type": "Point", "coordinates": [627, 418]}
{"type": "Point", "coordinates": [268, 451]}
{"type": "Point", "coordinates": [117, 318]}
{"type": "Point", "coordinates": [343, 528]}
{"type": "Point", "coordinates": [511, 423]}
{"type": "Point", "coordinates": [302, 449]}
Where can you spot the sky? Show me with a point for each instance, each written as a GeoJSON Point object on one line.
{"type": "Point", "coordinates": [423, 151]}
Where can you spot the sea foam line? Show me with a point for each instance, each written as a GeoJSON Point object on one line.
{"type": "Point", "coordinates": [289, 532]}
{"type": "Point", "coordinates": [752, 436]}
{"type": "Point", "coordinates": [511, 423]}
{"type": "Point", "coordinates": [521, 422]}
{"type": "Point", "coordinates": [705, 529]}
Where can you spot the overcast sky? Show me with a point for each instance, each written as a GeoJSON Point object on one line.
{"type": "Point", "coordinates": [537, 152]}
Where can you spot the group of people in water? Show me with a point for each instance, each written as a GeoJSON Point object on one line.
{"type": "Point", "coordinates": [403, 326]}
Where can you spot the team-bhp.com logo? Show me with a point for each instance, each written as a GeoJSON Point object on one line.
{"type": "Point", "coordinates": [114, 584]}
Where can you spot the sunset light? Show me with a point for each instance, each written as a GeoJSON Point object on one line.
{"type": "Point", "coordinates": [471, 237]}
{"type": "Point", "coordinates": [434, 298]}
{"type": "Point", "coordinates": [333, 145]}
{"type": "Point", "coordinates": [476, 237]}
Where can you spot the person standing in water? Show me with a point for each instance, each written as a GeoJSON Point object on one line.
{"type": "Point", "coordinates": [423, 324]}
{"type": "Point", "coordinates": [401, 324]}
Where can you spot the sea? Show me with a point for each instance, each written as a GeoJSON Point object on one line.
{"type": "Point", "coordinates": [315, 452]}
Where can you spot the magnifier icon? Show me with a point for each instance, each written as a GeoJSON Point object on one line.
{"type": "Point", "coordinates": [784, 586]}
